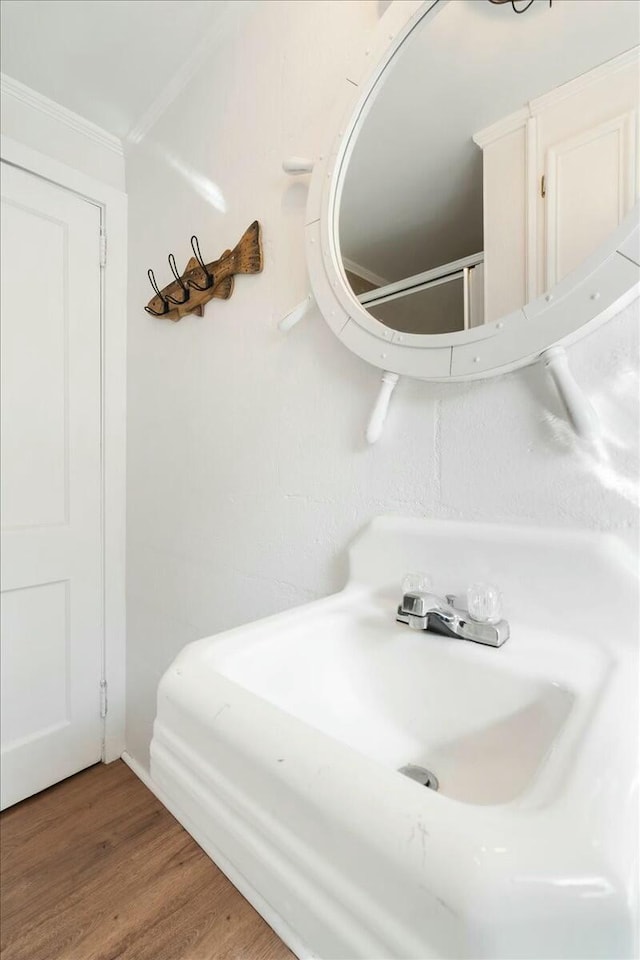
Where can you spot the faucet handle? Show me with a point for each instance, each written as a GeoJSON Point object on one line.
{"type": "Point", "coordinates": [418, 582]}
{"type": "Point", "coordinates": [484, 603]}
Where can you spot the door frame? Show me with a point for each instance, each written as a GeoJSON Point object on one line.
{"type": "Point", "coordinates": [113, 350]}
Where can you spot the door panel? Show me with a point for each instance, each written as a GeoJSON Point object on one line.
{"type": "Point", "coordinates": [36, 619]}
{"type": "Point", "coordinates": [51, 640]}
{"type": "Point", "coordinates": [35, 474]}
{"type": "Point", "coordinates": [589, 191]}
{"type": "Point", "coordinates": [587, 148]}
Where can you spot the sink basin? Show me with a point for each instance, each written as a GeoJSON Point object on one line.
{"type": "Point", "coordinates": [482, 720]}
{"type": "Point", "coordinates": [278, 745]}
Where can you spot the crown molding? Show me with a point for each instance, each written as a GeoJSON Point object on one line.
{"type": "Point", "coordinates": [170, 92]}
{"type": "Point", "coordinates": [11, 87]}
{"type": "Point", "coordinates": [518, 119]}
{"type": "Point", "coordinates": [226, 21]}
{"type": "Point", "coordinates": [571, 87]}
{"type": "Point", "coordinates": [513, 121]}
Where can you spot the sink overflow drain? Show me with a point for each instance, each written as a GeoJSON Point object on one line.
{"type": "Point", "coordinates": [420, 775]}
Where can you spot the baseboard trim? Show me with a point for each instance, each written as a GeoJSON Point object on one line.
{"type": "Point", "coordinates": [142, 774]}
{"type": "Point", "coordinates": [242, 885]}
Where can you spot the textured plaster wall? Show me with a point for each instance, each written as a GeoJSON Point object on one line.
{"type": "Point", "coordinates": [248, 472]}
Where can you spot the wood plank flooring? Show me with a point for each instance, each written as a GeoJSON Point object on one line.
{"type": "Point", "coordinates": [96, 868]}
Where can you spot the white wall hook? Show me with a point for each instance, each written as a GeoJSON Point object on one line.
{"type": "Point", "coordinates": [581, 414]}
{"type": "Point", "coordinates": [294, 166]}
{"type": "Point", "coordinates": [381, 406]}
{"type": "Point", "coordinates": [296, 314]}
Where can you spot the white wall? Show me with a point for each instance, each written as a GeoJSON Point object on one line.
{"type": "Point", "coordinates": [248, 473]}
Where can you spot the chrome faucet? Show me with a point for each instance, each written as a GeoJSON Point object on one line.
{"type": "Point", "coordinates": [427, 611]}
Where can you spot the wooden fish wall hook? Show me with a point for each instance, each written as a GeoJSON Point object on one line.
{"type": "Point", "coordinates": [200, 281]}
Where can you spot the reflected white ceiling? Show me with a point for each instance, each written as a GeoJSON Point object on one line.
{"type": "Point", "coordinates": [412, 197]}
{"type": "Point", "coordinates": [111, 61]}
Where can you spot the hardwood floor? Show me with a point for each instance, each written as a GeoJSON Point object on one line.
{"type": "Point", "coordinates": [96, 868]}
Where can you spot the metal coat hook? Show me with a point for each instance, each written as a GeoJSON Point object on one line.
{"type": "Point", "coordinates": [209, 278]}
{"type": "Point", "coordinates": [528, 3]}
{"type": "Point", "coordinates": [180, 281]}
{"type": "Point", "coordinates": [158, 293]}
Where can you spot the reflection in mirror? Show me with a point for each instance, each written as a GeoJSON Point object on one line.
{"type": "Point", "coordinates": [494, 154]}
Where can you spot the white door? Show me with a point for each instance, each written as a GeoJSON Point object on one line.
{"type": "Point", "coordinates": [51, 577]}
{"type": "Point", "coordinates": [589, 190]}
{"type": "Point", "coordinates": [588, 150]}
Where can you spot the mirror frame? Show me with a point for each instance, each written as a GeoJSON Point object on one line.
{"type": "Point", "coordinates": [590, 295]}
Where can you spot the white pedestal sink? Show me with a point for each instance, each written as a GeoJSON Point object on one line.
{"type": "Point", "coordinates": [278, 745]}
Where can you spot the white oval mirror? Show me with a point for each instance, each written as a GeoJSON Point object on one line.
{"type": "Point", "coordinates": [476, 209]}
